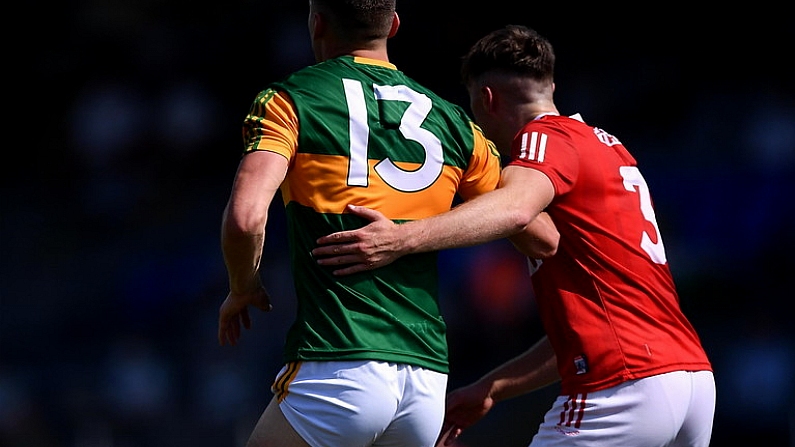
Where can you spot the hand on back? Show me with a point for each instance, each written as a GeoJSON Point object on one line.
{"type": "Point", "coordinates": [374, 245]}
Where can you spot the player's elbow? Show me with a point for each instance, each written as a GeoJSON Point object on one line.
{"type": "Point", "coordinates": [520, 219]}
{"type": "Point", "coordinates": [539, 238]}
{"type": "Point", "coordinates": [547, 247]}
{"type": "Point", "coordinates": [235, 225]}
{"type": "Point", "coordinates": [537, 246]}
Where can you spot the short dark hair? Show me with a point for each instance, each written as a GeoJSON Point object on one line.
{"type": "Point", "coordinates": [360, 20]}
{"type": "Point", "coordinates": [513, 49]}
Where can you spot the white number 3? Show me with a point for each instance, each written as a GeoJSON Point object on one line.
{"type": "Point", "coordinates": [634, 181]}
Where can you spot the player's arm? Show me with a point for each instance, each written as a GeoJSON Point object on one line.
{"type": "Point", "coordinates": [245, 217]}
{"type": "Point", "coordinates": [242, 238]}
{"type": "Point", "coordinates": [270, 133]}
{"type": "Point", "coordinates": [504, 212]}
{"type": "Point", "coordinates": [532, 370]}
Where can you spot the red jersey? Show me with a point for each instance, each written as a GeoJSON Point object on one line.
{"type": "Point", "coordinates": [607, 299]}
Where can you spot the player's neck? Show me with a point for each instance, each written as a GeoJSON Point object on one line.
{"type": "Point", "coordinates": [526, 112]}
{"type": "Point", "coordinates": [539, 115]}
{"type": "Point", "coordinates": [380, 54]}
{"type": "Point", "coordinates": [377, 52]}
{"type": "Point", "coordinates": [541, 108]}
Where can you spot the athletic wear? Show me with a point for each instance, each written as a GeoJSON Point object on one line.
{"type": "Point", "coordinates": [359, 131]}
{"type": "Point", "coordinates": [607, 298]}
{"type": "Point", "coordinates": [672, 410]}
{"type": "Point", "coordinates": [377, 403]}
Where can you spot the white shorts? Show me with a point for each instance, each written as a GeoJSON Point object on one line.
{"type": "Point", "coordinates": [362, 403]}
{"type": "Point", "coordinates": [673, 410]}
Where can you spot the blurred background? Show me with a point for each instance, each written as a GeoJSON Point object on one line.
{"type": "Point", "coordinates": [130, 118]}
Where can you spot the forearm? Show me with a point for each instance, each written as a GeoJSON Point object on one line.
{"type": "Point", "coordinates": [483, 219]}
{"type": "Point", "coordinates": [242, 250]}
{"type": "Point", "coordinates": [246, 215]}
{"type": "Point", "coordinates": [501, 213]}
{"type": "Point", "coordinates": [504, 212]}
{"type": "Point", "coordinates": [539, 239]}
{"type": "Point", "coordinates": [532, 370]}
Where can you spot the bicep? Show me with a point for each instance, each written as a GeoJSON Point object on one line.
{"type": "Point", "coordinates": [258, 177]}
{"type": "Point", "coordinates": [532, 191]}
{"type": "Point", "coordinates": [528, 188]}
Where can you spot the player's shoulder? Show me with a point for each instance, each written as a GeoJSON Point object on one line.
{"type": "Point", "coordinates": [556, 120]}
{"type": "Point", "coordinates": [560, 125]}
{"type": "Point", "coordinates": [549, 124]}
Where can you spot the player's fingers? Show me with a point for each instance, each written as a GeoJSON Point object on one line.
{"type": "Point", "coordinates": [264, 305]}
{"type": "Point", "coordinates": [367, 213]}
{"type": "Point", "coordinates": [442, 439]}
{"type": "Point", "coordinates": [452, 436]}
{"type": "Point", "coordinates": [221, 337]}
{"type": "Point", "coordinates": [236, 330]}
{"type": "Point", "coordinates": [355, 268]}
{"type": "Point", "coordinates": [448, 435]}
{"type": "Point", "coordinates": [342, 259]}
{"type": "Point", "coordinates": [325, 250]}
{"type": "Point", "coordinates": [224, 336]}
{"type": "Point", "coordinates": [245, 318]}
{"type": "Point", "coordinates": [232, 331]}
{"type": "Point", "coordinates": [230, 336]}
{"type": "Point", "coordinates": [223, 327]}
{"type": "Point", "coordinates": [338, 248]}
{"type": "Point", "coordinates": [337, 238]}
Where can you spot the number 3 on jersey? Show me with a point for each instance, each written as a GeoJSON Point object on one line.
{"type": "Point", "coordinates": [632, 180]}
{"type": "Point", "coordinates": [394, 176]}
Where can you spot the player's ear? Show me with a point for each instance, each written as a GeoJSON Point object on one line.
{"type": "Point", "coordinates": [317, 25]}
{"type": "Point", "coordinates": [395, 24]}
{"type": "Point", "coordinates": [488, 98]}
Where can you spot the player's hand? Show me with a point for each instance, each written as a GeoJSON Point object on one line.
{"type": "Point", "coordinates": [448, 436]}
{"type": "Point", "coordinates": [374, 245]}
{"type": "Point", "coordinates": [234, 311]}
{"type": "Point", "coordinates": [465, 406]}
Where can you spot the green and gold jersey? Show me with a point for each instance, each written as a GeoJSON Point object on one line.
{"type": "Point", "coordinates": [360, 131]}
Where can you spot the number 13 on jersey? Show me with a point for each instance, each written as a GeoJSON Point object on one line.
{"type": "Point", "coordinates": [394, 176]}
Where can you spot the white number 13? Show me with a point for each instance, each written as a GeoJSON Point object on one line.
{"type": "Point", "coordinates": [632, 180]}
{"type": "Point", "coordinates": [419, 108]}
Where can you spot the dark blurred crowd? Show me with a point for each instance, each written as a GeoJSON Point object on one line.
{"type": "Point", "coordinates": [112, 273]}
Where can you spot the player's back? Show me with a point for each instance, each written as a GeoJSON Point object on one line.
{"type": "Point", "coordinates": [607, 296]}
{"type": "Point", "coordinates": [369, 135]}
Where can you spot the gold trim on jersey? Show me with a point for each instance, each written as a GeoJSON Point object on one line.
{"type": "Point", "coordinates": [322, 187]}
{"type": "Point", "coordinates": [318, 180]}
{"type": "Point", "coordinates": [273, 126]}
{"type": "Point", "coordinates": [368, 61]}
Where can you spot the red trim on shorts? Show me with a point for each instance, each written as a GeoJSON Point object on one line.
{"type": "Point", "coordinates": [573, 411]}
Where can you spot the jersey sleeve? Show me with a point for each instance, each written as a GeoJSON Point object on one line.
{"type": "Point", "coordinates": [548, 148]}
{"type": "Point", "coordinates": [483, 173]}
{"type": "Point", "coordinates": [271, 125]}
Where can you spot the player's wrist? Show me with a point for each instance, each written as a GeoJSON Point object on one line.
{"type": "Point", "coordinates": [245, 284]}
{"type": "Point", "coordinates": [406, 241]}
